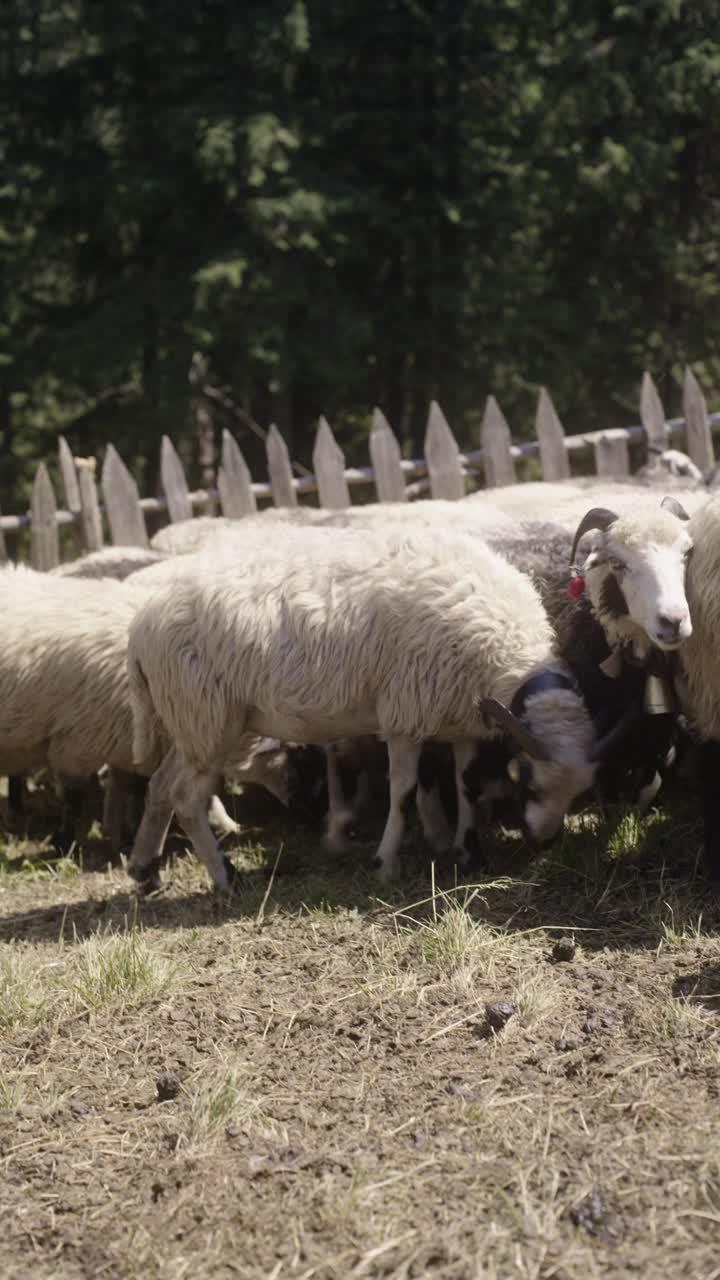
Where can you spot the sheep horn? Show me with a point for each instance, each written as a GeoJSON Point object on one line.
{"type": "Point", "coordinates": [597, 518]}
{"type": "Point", "coordinates": [674, 507]}
{"type": "Point", "coordinates": [602, 749]}
{"type": "Point", "coordinates": [527, 740]}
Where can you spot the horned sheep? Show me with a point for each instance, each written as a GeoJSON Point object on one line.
{"type": "Point", "coordinates": [423, 636]}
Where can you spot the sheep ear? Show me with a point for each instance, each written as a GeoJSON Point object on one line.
{"type": "Point", "coordinates": [674, 507]}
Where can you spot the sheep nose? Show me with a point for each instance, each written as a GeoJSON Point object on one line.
{"type": "Point", "coordinates": [668, 626]}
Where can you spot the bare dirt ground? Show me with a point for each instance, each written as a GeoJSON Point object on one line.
{"type": "Point", "coordinates": [303, 1081]}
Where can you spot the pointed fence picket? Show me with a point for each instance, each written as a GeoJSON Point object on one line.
{"type": "Point", "coordinates": [235, 485]}
{"type": "Point", "coordinates": [280, 470]}
{"type": "Point", "coordinates": [496, 446]}
{"type": "Point", "coordinates": [174, 484]}
{"type": "Point", "coordinates": [444, 461]}
{"type": "Point", "coordinates": [122, 502]}
{"type": "Point", "coordinates": [386, 460]}
{"type": "Point", "coordinates": [329, 468]}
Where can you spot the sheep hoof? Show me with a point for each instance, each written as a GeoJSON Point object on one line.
{"type": "Point", "coordinates": [146, 877]}
{"type": "Point", "coordinates": [233, 878]}
{"type": "Point", "coordinates": [386, 871]}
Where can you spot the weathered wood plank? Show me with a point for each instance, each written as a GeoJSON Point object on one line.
{"type": "Point", "coordinates": [551, 438]}
{"type": "Point", "coordinates": [612, 457]}
{"type": "Point", "coordinates": [442, 456]}
{"type": "Point", "coordinates": [68, 475]}
{"type": "Point", "coordinates": [234, 481]}
{"type": "Point", "coordinates": [652, 416]}
{"type": "Point", "coordinates": [496, 444]}
{"type": "Point", "coordinates": [174, 484]}
{"type": "Point", "coordinates": [89, 504]}
{"type": "Point", "coordinates": [385, 457]}
{"type": "Point", "coordinates": [279, 470]}
{"type": "Point", "coordinates": [45, 549]}
{"type": "Point", "coordinates": [329, 468]}
{"type": "Point", "coordinates": [122, 502]}
{"type": "Point", "coordinates": [697, 425]}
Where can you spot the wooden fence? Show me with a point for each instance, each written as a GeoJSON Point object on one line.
{"type": "Point", "coordinates": [442, 473]}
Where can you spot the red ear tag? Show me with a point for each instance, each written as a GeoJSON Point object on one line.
{"type": "Point", "coordinates": [576, 586]}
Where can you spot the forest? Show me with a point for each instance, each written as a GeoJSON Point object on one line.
{"type": "Point", "coordinates": [226, 215]}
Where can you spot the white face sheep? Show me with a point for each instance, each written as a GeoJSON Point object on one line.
{"type": "Point", "coordinates": [421, 636]}
{"type": "Point", "coordinates": [635, 576]}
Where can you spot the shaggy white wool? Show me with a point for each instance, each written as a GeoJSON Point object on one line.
{"type": "Point", "coordinates": [110, 562]}
{"type": "Point", "coordinates": [700, 655]}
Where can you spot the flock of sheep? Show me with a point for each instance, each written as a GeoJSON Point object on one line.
{"type": "Point", "coordinates": [495, 657]}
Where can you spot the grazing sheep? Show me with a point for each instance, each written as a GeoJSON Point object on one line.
{"type": "Point", "coordinates": [110, 562]}
{"type": "Point", "coordinates": [423, 636]}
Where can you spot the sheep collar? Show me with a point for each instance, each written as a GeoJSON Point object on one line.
{"type": "Point", "coordinates": [540, 683]}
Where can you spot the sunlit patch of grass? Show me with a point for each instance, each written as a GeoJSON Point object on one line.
{"type": "Point", "coordinates": [23, 993]}
{"type": "Point", "coordinates": [118, 969]}
{"type": "Point", "coordinates": [536, 997]}
{"type": "Point", "coordinates": [670, 1017]}
{"type": "Point", "coordinates": [222, 1095]}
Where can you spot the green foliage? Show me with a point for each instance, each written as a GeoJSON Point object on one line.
{"type": "Point", "coordinates": [347, 204]}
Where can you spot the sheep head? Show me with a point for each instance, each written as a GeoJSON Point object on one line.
{"type": "Point", "coordinates": [557, 751]}
{"type": "Point", "coordinates": [635, 575]}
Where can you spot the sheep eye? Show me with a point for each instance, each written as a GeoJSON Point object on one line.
{"type": "Point", "coordinates": [616, 565]}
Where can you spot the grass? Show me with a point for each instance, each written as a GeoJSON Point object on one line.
{"type": "Point", "coordinates": [342, 1109]}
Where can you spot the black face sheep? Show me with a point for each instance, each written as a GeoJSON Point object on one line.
{"type": "Point", "coordinates": [424, 636]}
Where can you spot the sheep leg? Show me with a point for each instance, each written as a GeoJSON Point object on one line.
{"type": "Point", "coordinates": [73, 798]}
{"type": "Point", "coordinates": [339, 815]}
{"type": "Point", "coordinates": [220, 819]}
{"type": "Point", "coordinates": [403, 757]}
{"type": "Point", "coordinates": [16, 797]}
{"type": "Point", "coordinates": [144, 862]}
{"type": "Point", "coordinates": [190, 795]}
{"type": "Point", "coordinates": [466, 846]}
{"type": "Point", "coordinates": [435, 825]}
{"type": "Point", "coordinates": [709, 775]}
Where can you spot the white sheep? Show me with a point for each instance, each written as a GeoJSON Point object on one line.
{"type": "Point", "coordinates": [110, 562]}
{"type": "Point", "coordinates": [698, 678]}
{"type": "Point", "coordinates": [64, 700]}
{"type": "Point", "coordinates": [423, 636]}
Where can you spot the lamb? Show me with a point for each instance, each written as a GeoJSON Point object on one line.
{"type": "Point", "coordinates": [110, 562]}
{"type": "Point", "coordinates": [421, 636]}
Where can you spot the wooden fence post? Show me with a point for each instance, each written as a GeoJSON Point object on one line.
{"type": "Point", "coordinates": [279, 470]}
{"type": "Point", "coordinates": [329, 468]}
{"type": "Point", "coordinates": [652, 416]}
{"type": "Point", "coordinates": [385, 458]}
{"type": "Point", "coordinates": [551, 438]}
{"type": "Point", "coordinates": [44, 530]}
{"type": "Point", "coordinates": [442, 456]}
{"type": "Point", "coordinates": [496, 444]}
{"type": "Point", "coordinates": [68, 475]}
{"type": "Point", "coordinates": [89, 505]}
{"type": "Point", "coordinates": [71, 491]}
{"type": "Point", "coordinates": [122, 502]}
{"type": "Point", "coordinates": [611, 453]}
{"type": "Point", "coordinates": [697, 427]}
{"type": "Point", "coordinates": [172, 478]}
{"type": "Point", "coordinates": [234, 481]}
